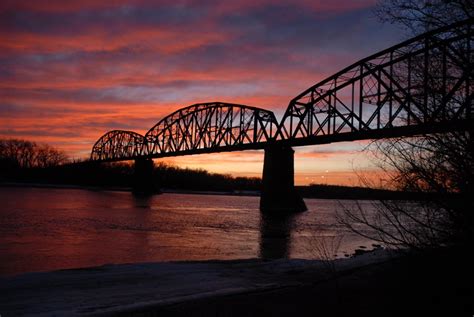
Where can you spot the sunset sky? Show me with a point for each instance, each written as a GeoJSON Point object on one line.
{"type": "Point", "coordinates": [72, 70]}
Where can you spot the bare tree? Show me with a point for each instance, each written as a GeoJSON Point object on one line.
{"type": "Point", "coordinates": [418, 16]}
{"type": "Point", "coordinates": [27, 154]}
{"type": "Point", "coordinates": [440, 167]}
{"type": "Point", "coordinates": [47, 156]}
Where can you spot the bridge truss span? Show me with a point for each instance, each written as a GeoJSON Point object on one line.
{"type": "Point", "coordinates": [118, 145]}
{"type": "Point", "coordinates": [211, 127]}
{"type": "Point", "coordinates": [422, 85]}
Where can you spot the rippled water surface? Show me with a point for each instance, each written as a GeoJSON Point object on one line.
{"type": "Point", "coordinates": [43, 229]}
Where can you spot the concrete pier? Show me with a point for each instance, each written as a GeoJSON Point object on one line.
{"type": "Point", "coordinates": [143, 182]}
{"type": "Point", "coordinates": [278, 185]}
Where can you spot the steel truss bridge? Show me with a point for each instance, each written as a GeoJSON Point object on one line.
{"type": "Point", "coordinates": [423, 85]}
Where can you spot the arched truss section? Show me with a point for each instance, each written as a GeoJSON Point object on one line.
{"type": "Point", "coordinates": [118, 145]}
{"type": "Point", "coordinates": [210, 127]}
{"type": "Point", "coordinates": [409, 88]}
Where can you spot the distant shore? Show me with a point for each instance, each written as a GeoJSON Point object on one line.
{"type": "Point", "coordinates": [311, 191]}
{"type": "Point", "coordinates": [128, 189]}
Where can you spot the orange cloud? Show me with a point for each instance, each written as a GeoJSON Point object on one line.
{"type": "Point", "coordinates": [72, 70]}
{"type": "Point", "coordinates": [164, 41]}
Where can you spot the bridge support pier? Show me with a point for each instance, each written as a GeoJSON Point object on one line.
{"type": "Point", "coordinates": [278, 184]}
{"type": "Point", "coordinates": [143, 182]}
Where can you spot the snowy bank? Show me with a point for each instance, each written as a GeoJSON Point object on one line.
{"type": "Point", "coordinates": [128, 287]}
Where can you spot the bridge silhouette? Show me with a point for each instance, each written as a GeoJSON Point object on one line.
{"type": "Point", "coordinates": [420, 86]}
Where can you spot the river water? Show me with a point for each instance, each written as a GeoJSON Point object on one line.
{"type": "Point", "coordinates": [44, 229]}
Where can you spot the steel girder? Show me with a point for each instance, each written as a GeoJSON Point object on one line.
{"type": "Point", "coordinates": [422, 85]}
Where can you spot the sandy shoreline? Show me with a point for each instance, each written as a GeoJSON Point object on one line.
{"type": "Point", "coordinates": [111, 289]}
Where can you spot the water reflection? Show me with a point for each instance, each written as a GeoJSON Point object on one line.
{"type": "Point", "coordinates": [142, 200]}
{"type": "Point", "coordinates": [275, 235]}
{"type": "Point", "coordinates": [46, 229]}
{"type": "Point", "coordinates": [140, 238]}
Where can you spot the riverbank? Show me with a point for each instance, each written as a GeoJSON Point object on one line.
{"type": "Point", "coordinates": [416, 285]}
{"type": "Point", "coordinates": [149, 286]}
{"type": "Point", "coordinates": [375, 282]}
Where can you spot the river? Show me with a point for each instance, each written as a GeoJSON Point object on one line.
{"type": "Point", "coordinates": [43, 229]}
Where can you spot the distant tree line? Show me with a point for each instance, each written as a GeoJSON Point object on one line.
{"type": "Point", "coordinates": [26, 161]}
{"type": "Point", "coordinates": [360, 193]}
{"type": "Point", "coordinates": [169, 176]}
{"type": "Point", "coordinates": [26, 154]}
